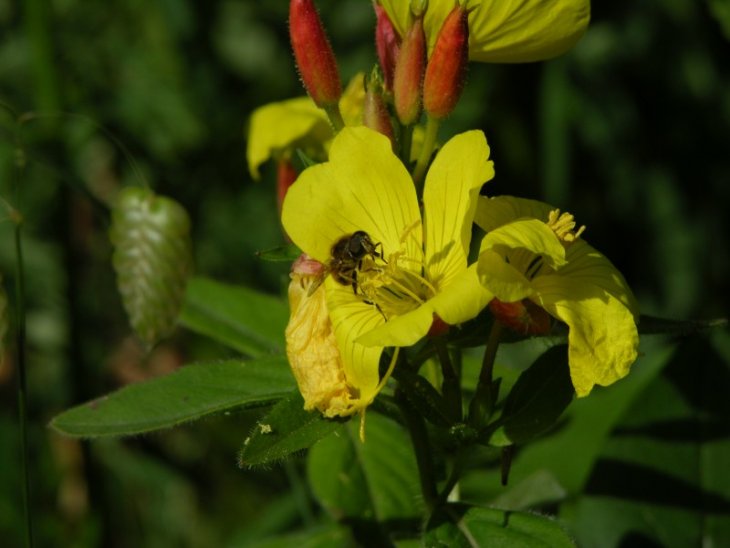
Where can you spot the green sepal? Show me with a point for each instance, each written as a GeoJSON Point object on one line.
{"type": "Point", "coordinates": [281, 254]}
{"type": "Point", "coordinates": [461, 525]}
{"type": "Point", "coordinates": [287, 428]}
{"type": "Point", "coordinates": [536, 401]}
{"type": "Point", "coordinates": [152, 259]}
{"type": "Point", "coordinates": [192, 392]}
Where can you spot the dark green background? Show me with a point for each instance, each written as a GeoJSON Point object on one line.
{"type": "Point", "coordinates": [629, 131]}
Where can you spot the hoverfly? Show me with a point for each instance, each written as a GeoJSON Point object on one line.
{"type": "Point", "coordinates": [346, 259]}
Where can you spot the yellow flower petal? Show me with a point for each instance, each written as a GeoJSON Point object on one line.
{"type": "Point", "coordinates": [530, 234]}
{"type": "Point", "coordinates": [404, 330]}
{"type": "Point", "coordinates": [506, 31]}
{"type": "Point", "coordinates": [500, 210]}
{"type": "Point", "coordinates": [463, 299]}
{"type": "Point", "coordinates": [588, 266]}
{"type": "Point", "coordinates": [278, 127]}
{"type": "Point", "coordinates": [502, 279]}
{"type": "Point", "coordinates": [364, 186]}
{"type": "Point", "coordinates": [351, 318]}
{"type": "Point", "coordinates": [449, 201]}
{"type": "Point", "coordinates": [603, 339]}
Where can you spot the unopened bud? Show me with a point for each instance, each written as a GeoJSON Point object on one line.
{"type": "Point", "coordinates": [375, 114]}
{"type": "Point", "coordinates": [446, 70]}
{"type": "Point", "coordinates": [387, 43]}
{"type": "Point", "coordinates": [523, 317]}
{"type": "Point", "coordinates": [409, 68]}
{"type": "Point", "coordinates": [285, 177]}
{"type": "Point", "coordinates": [313, 53]}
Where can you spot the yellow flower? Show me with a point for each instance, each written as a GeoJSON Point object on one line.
{"type": "Point", "coordinates": [419, 269]}
{"type": "Point", "coordinates": [533, 252]}
{"type": "Point", "coordinates": [277, 129]}
{"type": "Point", "coordinates": [505, 31]}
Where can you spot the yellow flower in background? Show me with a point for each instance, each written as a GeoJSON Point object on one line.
{"type": "Point", "coordinates": [532, 252]}
{"type": "Point", "coordinates": [505, 31]}
{"type": "Point", "coordinates": [277, 129]}
{"type": "Point", "coordinates": [419, 270]}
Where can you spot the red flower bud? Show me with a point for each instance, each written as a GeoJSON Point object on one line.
{"type": "Point", "coordinates": [446, 70]}
{"type": "Point", "coordinates": [408, 77]}
{"type": "Point", "coordinates": [438, 327]}
{"type": "Point", "coordinates": [387, 42]}
{"type": "Point", "coordinates": [285, 177]}
{"type": "Point", "coordinates": [375, 114]}
{"type": "Point", "coordinates": [523, 317]}
{"type": "Point", "coordinates": [313, 53]}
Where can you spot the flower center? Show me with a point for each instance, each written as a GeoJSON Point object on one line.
{"type": "Point", "coordinates": [563, 224]}
{"type": "Point", "coordinates": [395, 285]}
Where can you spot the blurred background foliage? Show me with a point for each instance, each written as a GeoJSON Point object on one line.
{"type": "Point", "coordinates": [630, 132]}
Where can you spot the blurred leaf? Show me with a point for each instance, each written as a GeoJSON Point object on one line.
{"type": "Point", "coordinates": [376, 479]}
{"type": "Point", "coordinates": [328, 536]}
{"type": "Point", "coordinates": [720, 10]}
{"type": "Point", "coordinates": [190, 393]}
{"type": "Point", "coordinates": [650, 325]}
{"type": "Point", "coordinates": [284, 430]}
{"type": "Point", "coordinates": [538, 489]}
{"type": "Point", "coordinates": [247, 320]}
{"type": "Point", "coordinates": [152, 259]}
{"type": "Point", "coordinates": [662, 477]}
{"type": "Point", "coordinates": [460, 525]}
{"type": "Point", "coordinates": [286, 253]}
{"type": "Point", "coordinates": [537, 399]}
{"type": "Point", "coordinates": [4, 319]}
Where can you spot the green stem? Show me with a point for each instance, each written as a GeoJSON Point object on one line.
{"type": "Point", "coordinates": [429, 143]}
{"type": "Point", "coordinates": [480, 407]}
{"type": "Point", "coordinates": [451, 387]}
{"type": "Point", "coordinates": [22, 380]}
{"type": "Point", "coordinates": [422, 449]}
{"type": "Point", "coordinates": [454, 477]}
{"type": "Point", "coordinates": [335, 116]}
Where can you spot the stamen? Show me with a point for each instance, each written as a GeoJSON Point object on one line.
{"type": "Point", "coordinates": [563, 225]}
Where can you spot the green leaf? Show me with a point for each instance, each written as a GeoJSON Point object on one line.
{"type": "Point", "coordinates": [286, 253]}
{"type": "Point", "coordinates": [460, 525]}
{"type": "Point", "coordinates": [286, 429]}
{"type": "Point", "coordinates": [662, 477]}
{"type": "Point", "coordinates": [537, 399]}
{"type": "Point", "coordinates": [152, 259]}
{"type": "Point", "coordinates": [244, 319]}
{"type": "Point", "coordinates": [424, 398]}
{"type": "Point", "coordinates": [190, 393]}
{"type": "Point", "coordinates": [375, 479]}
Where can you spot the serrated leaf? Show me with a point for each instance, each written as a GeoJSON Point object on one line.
{"type": "Point", "coordinates": [536, 401]}
{"type": "Point", "coordinates": [246, 320]}
{"type": "Point", "coordinates": [284, 430]}
{"type": "Point", "coordinates": [286, 253]}
{"type": "Point", "coordinates": [377, 479]}
{"type": "Point", "coordinates": [152, 259]}
{"type": "Point", "coordinates": [459, 525]}
{"type": "Point", "coordinates": [192, 392]}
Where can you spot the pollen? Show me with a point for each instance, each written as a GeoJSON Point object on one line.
{"type": "Point", "coordinates": [563, 224]}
